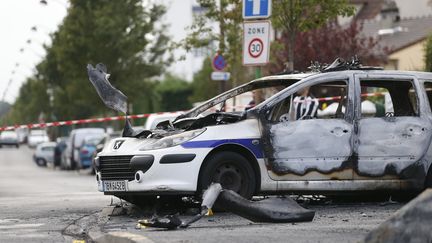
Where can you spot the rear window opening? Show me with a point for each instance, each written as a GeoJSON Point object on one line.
{"type": "Point", "coordinates": [388, 98]}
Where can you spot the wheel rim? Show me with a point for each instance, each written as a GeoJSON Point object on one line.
{"type": "Point", "coordinates": [229, 176]}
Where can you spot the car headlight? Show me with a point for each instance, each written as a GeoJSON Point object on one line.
{"type": "Point", "coordinates": [173, 140]}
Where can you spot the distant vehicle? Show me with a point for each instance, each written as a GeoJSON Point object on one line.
{"type": "Point", "coordinates": [155, 119]}
{"type": "Point", "coordinates": [70, 156]}
{"type": "Point", "coordinates": [9, 138]}
{"type": "Point", "coordinates": [36, 137]}
{"type": "Point", "coordinates": [58, 150]}
{"type": "Point", "coordinates": [100, 146]}
{"type": "Point", "coordinates": [88, 148]}
{"type": "Point", "coordinates": [44, 153]}
{"type": "Point", "coordinates": [22, 134]}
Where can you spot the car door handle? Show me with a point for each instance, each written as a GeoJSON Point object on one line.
{"type": "Point", "coordinates": [338, 131]}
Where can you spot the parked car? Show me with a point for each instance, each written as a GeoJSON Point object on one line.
{"type": "Point", "coordinates": [9, 138]}
{"type": "Point", "coordinates": [58, 150]}
{"type": "Point", "coordinates": [70, 156]}
{"type": "Point", "coordinates": [44, 153]}
{"type": "Point", "coordinates": [88, 148]}
{"type": "Point", "coordinates": [36, 137]}
{"type": "Point", "coordinates": [266, 150]}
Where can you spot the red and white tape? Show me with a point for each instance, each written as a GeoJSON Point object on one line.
{"type": "Point", "coordinates": [116, 118]}
{"type": "Point", "coordinates": [82, 121]}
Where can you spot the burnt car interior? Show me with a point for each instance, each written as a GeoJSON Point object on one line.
{"type": "Point", "coordinates": [319, 97]}
{"type": "Point", "coordinates": [402, 99]}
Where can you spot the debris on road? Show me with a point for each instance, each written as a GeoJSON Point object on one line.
{"type": "Point", "coordinates": [274, 210]}
{"type": "Point", "coordinates": [412, 223]}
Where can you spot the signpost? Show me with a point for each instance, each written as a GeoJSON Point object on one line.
{"type": "Point", "coordinates": [219, 65]}
{"type": "Point", "coordinates": [221, 76]}
{"type": "Point", "coordinates": [256, 42]}
{"type": "Point", "coordinates": [256, 34]}
{"type": "Point", "coordinates": [256, 9]}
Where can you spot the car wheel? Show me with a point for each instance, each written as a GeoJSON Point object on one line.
{"type": "Point", "coordinates": [17, 146]}
{"type": "Point", "coordinates": [232, 171]}
{"type": "Point", "coordinates": [41, 162]}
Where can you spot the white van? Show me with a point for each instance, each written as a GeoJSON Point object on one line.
{"type": "Point", "coordinates": [36, 137]}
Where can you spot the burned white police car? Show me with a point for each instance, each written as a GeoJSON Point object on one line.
{"type": "Point", "coordinates": [344, 128]}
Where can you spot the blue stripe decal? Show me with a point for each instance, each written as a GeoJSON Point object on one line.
{"type": "Point", "coordinates": [255, 149]}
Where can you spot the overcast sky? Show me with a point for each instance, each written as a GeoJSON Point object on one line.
{"type": "Point", "coordinates": [17, 17]}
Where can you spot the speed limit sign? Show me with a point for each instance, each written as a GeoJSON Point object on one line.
{"type": "Point", "coordinates": [255, 47]}
{"type": "Point", "coordinates": [256, 42]}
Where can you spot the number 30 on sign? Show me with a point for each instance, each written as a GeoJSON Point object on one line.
{"type": "Point", "coordinates": [256, 43]}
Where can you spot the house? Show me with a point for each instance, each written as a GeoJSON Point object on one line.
{"type": "Point", "coordinates": [403, 30]}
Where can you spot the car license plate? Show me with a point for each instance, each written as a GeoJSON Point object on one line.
{"type": "Point", "coordinates": [115, 186]}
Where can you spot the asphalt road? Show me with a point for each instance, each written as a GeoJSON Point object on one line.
{"type": "Point", "coordinates": [37, 204]}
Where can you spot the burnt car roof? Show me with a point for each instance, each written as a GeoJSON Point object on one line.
{"type": "Point", "coordinates": [263, 82]}
{"type": "Point", "coordinates": [284, 79]}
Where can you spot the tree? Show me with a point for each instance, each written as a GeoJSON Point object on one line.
{"type": "Point", "coordinates": [123, 35]}
{"type": "Point", "coordinates": [327, 43]}
{"type": "Point", "coordinates": [294, 16]}
{"type": "Point", "coordinates": [33, 100]}
{"type": "Point", "coordinates": [173, 94]}
{"type": "Point", "coordinates": [227, 15]}
{"type": "Point", "coordinates": [428, 54]}
{"type": "Point", "coordinates": [203, 88]}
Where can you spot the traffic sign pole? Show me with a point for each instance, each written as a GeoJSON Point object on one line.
{"type": "Point", "coordinates": [258, 72]}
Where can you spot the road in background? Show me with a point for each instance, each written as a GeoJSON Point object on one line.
{"type": "Point", "coordinates": [38, 203]}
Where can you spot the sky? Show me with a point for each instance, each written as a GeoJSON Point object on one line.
{"type": "Point", "coordinates": [17, 17]}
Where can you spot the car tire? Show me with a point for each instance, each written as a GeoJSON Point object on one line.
{"type": "Point", "coordinates": [40, 162]}
{"type": "Point", "coordinates": [17, 146]}
{"type": "Point", "coordinates": [232, 171]}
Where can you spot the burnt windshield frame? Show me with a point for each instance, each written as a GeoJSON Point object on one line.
{"type": "Point", "coordinates": [253, 85]}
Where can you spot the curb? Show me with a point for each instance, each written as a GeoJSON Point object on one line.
{"type": "Point", "coordinates": [117, 237]}
{"type": "Point", "coordinates": [95, 234]}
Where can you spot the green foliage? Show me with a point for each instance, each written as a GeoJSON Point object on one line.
{"type": "Point", "coordinates": [33, 100]}
{"type": "Point", "coordinates": [428, 54]}
{"type": "Point", "coordinates": [294, 16]}
{"type": "Point", "coordinates": [229, 36]}
{"type": "Point", "coordinates": [123, 35]}
{"type": "Point", "coordinates": [4, 108]}
{"type": "Point", "coordinates": [303, 15]}
{"type": "Point", "coordinates": [203, 87]}
{"type": "Point", "coordinates": [173, 94]}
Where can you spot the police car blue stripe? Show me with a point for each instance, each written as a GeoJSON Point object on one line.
{"type": "Point", "coordinates": [255, 149]}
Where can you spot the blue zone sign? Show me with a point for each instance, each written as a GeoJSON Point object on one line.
{"type": "Point", "coordinates": [256, 9]}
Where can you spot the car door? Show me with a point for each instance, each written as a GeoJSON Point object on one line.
{"type": "Point", "coordinates": [318, 147]}
{"type": "Point", "coordinates": [391, 144]}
